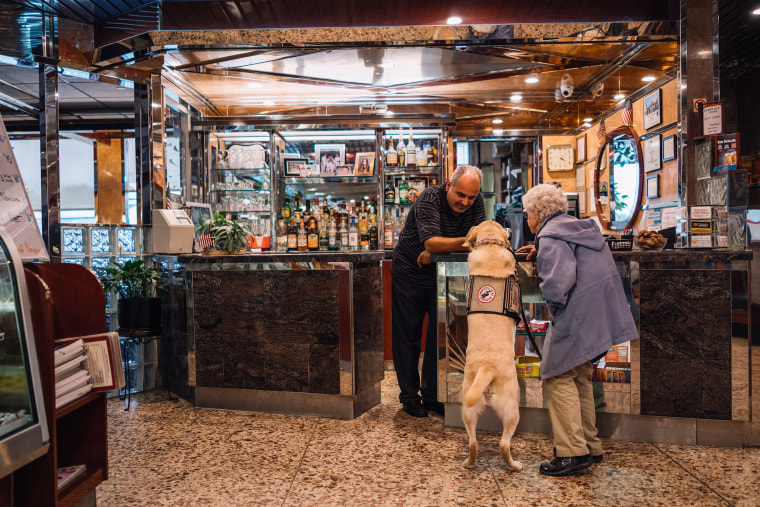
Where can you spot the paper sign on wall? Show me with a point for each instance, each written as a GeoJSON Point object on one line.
{"type": "Point", "coordinates": [16, 212]}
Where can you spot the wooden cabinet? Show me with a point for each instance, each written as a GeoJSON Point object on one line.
{"type": "Point", "coordinates": [67, 300]}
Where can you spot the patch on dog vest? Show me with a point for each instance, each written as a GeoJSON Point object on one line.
{"type": "Point", "coordinates": [500, 296]}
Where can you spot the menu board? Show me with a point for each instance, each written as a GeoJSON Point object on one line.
{"type": "Point", "coordinates": [16, 213]}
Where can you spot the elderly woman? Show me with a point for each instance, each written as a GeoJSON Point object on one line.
{"type": "Point", "coordinates": [584, 294]}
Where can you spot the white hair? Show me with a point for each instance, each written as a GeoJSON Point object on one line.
{"type": "Point", "coordinates": [544, 200]}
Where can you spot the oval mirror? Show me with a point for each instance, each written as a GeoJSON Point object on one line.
{"type": "Point", "coordinates": [626, 179]}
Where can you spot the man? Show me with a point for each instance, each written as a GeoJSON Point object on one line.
{"type": "Point", "coordinates": [437, 223]}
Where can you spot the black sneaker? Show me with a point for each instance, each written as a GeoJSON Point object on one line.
{"type": "Point", "coordinates": [434, 406]}
{"type": "Point", "coordinates": [415, 408]}
{"type": "Point", "coordinates": [598, 459]}
{"type": "Point", "coordinates": [559, 467]}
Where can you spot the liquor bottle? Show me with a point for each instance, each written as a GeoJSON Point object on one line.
{"type": "Point", "coordinates": [403, 191]}
{"type": "Point", "coordinates": [332, 236]}
{"type": "Point", "coordinates": [312, 235]}
{"type": "Point", "coordinates": [292, 235]}
{"type": "Point", "coordinates": [373, 240]}
{"type": "Point", "coordinates": [303, 244]}
{"type": "Point", "coordinates": [353, 235]}
{"type": "Point", "coordinates": [282, 236]}
{"type": "Point", "coordinates": [421, 155]}
{"type": "Point", "coordinates": [286, 209]}
{"type": "Point", "coordinates": [323, 234]}
{"type": "Point", "coordinates": [401, 149]}
{"type": "Point", "coordinates": [388, 231]}
{"type": "Point", "coordinates": [343, 235]}
{"type": "Point", "coordinates": [411, 151]}
{"type": "Point", "coordinates": [391, 156]}
{"type": "Point", "coordinates": [396, 229]}
{"type": "Point", "coordinates": [363, 235]}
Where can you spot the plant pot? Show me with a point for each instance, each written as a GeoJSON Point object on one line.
{"type": "Point", "coordinates": [140, 315]}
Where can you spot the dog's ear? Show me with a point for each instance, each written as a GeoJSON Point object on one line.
{"type": "Point", "coordinates": [472, 235]}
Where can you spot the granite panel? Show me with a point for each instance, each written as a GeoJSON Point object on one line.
{"type": "Point", "coordinates": [685, 347]}
{"type": "Point", "coordinates": [324, 377]}
{"type": "Point", "coordinates": [368, 326]}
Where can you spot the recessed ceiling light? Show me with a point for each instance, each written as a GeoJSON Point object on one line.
{"type": "Point", "coordinates": [756, 12]}
{"type": "Point", "coordinates": [454, 20]}
{"type": "Point", "coordinates": [497, 120]}
{"type": "Point", "coordinates": [619, 96]}
{"type": "Point", "coordinates": [531, 80]}
{"type": "Point", "coordinates": [515, 97]}
{"type": "Point", "coordinates": [498, 132]}
{"type": "Point", "coordinates": [586, 120]}
{"type": "Point", "coordinates": [251, 84]}
{"type": "Point", "coordinates": [647, 79]}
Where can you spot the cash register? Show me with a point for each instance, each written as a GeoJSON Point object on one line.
{"type": "Point", "coordinates": [173, 231]}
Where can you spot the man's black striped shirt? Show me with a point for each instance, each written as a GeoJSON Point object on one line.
{"type": "Point", "coordinates": [429, 217]}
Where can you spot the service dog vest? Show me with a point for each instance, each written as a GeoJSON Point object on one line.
{"type": "Point", "coordinates": [489, 294]}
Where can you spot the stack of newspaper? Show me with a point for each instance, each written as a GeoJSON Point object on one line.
{"type": "Point", "coordinates": [87, 363]}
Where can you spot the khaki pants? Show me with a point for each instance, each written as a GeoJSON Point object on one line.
{"type": "Point", "coordinates": [570, 398]}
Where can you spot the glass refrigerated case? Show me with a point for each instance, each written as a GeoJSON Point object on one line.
{"type": "Point", "coordinates": [23, 429]}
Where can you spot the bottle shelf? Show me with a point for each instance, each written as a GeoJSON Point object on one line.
{"type": "Point", "coordinates": [397, 171]}
{"type": "Point", "coordinates": [241, 190]}
{"type": "Point", "coordinates": [266, 211]}
{"type": "Point", "coordinates": [299, 180]}
{"type": "Point", "coordinates": [240, 169]}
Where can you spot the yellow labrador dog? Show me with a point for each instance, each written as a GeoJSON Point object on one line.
{"type": "Point", "coordinates": [490, 377]}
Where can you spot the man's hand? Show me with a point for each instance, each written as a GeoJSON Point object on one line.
{"type": "Point", "coordinates": [423, 258]}
{"type": "Point", "coordinates": [527, 248]}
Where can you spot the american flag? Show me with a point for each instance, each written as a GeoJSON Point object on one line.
{"type": "Point", "coordinates": [602, 130]}
{"type": "Point", "coordinates": [205, 241]}
{"type": "Point", "coordinates": [168, 204]}
{"type": "Point", "coordinates": [627, 114]}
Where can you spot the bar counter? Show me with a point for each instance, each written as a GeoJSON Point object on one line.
{"type": "Point", "coordinates": [690, 369]}
{"type": "Point", "coordinates": [294, 333]}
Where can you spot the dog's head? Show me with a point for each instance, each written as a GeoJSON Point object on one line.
{"type": "Point", "coordinates": [486, 230]}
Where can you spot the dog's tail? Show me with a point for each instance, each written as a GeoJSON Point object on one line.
{"type": "Point", "coordinates": [482, 380]}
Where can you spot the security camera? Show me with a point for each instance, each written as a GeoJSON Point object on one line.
{"type": "Point", "coordinates": [557, 93]}
{"type": "Point", "coordinates": [597, 91]}
{"type": "Point", "coordinates": [566, 86]}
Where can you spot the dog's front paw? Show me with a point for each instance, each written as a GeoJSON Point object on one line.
{"type": "Point", "coordinates": [515, 466]}
{"type": "Point", "coordinates": [468, 463]}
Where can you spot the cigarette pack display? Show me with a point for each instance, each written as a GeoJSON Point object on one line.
{"type": "Point", "coordinates": [527, 366]}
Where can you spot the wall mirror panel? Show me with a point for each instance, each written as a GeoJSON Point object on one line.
{"type": "Point", "coordinates": [618, 193]}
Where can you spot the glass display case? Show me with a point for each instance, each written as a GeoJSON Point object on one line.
{"type": "Point", "coordinates": [24, 433]}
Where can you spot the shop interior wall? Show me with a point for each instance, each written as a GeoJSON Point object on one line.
{"type": "Point", "coordinates": [584, 182]}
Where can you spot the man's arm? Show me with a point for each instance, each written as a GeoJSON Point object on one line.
{"type": "Point", "coordinates": [439, 244]}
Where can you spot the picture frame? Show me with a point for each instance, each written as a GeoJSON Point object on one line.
{"type": "Point", "coordinates": [582, 201]}
{"type": "Point", "coordinates": [652, 153]}
{"type": "Point", "coordinates": [668, 148]}
{"type": "Point", "coordinates": [580, 177]}
{"type": "Point", "coordinates": [364, 164]}
{"type": "Point", "coordinates": [344, 170]}
{"type": "Point", "coordinates": [653, 109]}
{"type": "Point", "coordinates": [328, 156]}
{"type": "Point", "coordinates": [653, 186]}
{"type": "Point", "coordinates": [293, 166]}
{"type": "Point", "coordinates": [580, 149]}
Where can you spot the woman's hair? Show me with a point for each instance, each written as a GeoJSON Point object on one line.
{"type": "Point", "coordinates": [459, 171]}
{"type": "Point", "coordinates": [544, 200]}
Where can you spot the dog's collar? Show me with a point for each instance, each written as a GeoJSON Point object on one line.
{"type": "Point", "coordinates": [490, 241]}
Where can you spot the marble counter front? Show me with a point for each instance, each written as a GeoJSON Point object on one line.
{"type": "Point", "coordinates": [297, 333]}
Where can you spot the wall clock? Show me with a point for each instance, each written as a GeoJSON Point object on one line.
{"type": "Point", "coordinates": [560, 157]}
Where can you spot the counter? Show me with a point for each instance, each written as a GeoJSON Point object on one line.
{"type": "Point", "coordinates": [295, 333]}
{"type": "Point", "coordinates": [690, 369]}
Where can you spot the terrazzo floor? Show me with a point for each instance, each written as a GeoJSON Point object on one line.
{"type": "Point", "coordinates": [167, 452]}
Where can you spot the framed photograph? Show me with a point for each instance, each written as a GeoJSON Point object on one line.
{"type": "Point", "coordinates": [344, 170]}
{"type": "Point", "coordinates": [580, 177]}
{"type": "Point", "coordinates": [653, 109]}
{"type": "Point", "coordinates": [581, 201]}
{"type": "Point", "coordinates": [365, 164]}
{"type": "Point", "coordinates": [328, 156]}
{"type": "Point", "coordinates": [668, 148]}
{"type": "Point", "coordinates": [651, 148]}
{"type": "Point", "coordinates": [293, 166]}
{"type": "Point", "coordinates": [712, 119]}
{"type": "Point", "coordinates": [653, 186]}
{"type": "Point", "coordinates": [580, 149]}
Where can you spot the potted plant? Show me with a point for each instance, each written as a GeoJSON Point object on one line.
{"type": "Point", "coordinates": [230, 236]}
{"type": "Point", "coordinates": [139, 308]}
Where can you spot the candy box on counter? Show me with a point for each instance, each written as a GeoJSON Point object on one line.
{"type": "Point", "coordinates": [611, 374]}
{"type": "Point", "coordinates": [536, 326]}
{"type": "Point", "coordinates": [527, 366]}
{"type": "Point", "coordinates": [618, 353]}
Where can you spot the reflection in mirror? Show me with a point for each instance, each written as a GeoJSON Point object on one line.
{"type": "Point", "coordinates": [626, 174]}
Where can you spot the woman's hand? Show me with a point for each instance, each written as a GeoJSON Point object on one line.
{"type": "Point", "coordinates": [423, 258]}
{"type": "Point", "coordinates": [527, 248]}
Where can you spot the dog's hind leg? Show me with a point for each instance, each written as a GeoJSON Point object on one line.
{"type": "Point", "coordinates": [470, 419]}
{"type": "Point", "coordinates": [509, 413]}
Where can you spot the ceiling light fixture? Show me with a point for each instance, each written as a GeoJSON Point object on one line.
{"type": "Point", "coordinates": [497, 120]}
{"type": "Point", "coordinates": [454, 20]}
{"type": "Point", "coordinates": [586, 125]}
{"type": "Point", "coordinates": [515, 97]}
{"type": "Point", "coordinates": [531, 80]}
{"type": "Point", "coordinates": [756, 12]}
{"type": "Point", "coordinates": [619, 96]}
{"type": "Point", "coordinates": [586, 120]}
{"type": "Point", "coordinates": [498, 132]}
{"type": "Point", "coordinates": [648, 79]}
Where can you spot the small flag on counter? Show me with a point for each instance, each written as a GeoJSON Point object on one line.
{"type": "Point", "coordinates": [627, 114]}
{"type": "Point", "coordinates": [205, 241]}
{"type": "Point", "coordinates": [602, 130]}
{"type": "Point", "coordinates": [168, 203]}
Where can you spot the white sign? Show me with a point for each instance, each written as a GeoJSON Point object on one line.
{"type": "Point", "coordinates": [712, 119]}
{"type": "Point", "coordinates": [16, 213]}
